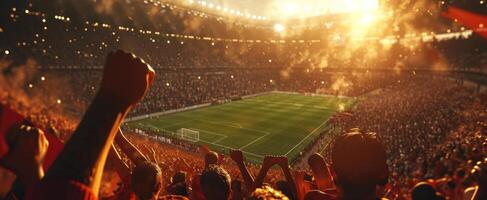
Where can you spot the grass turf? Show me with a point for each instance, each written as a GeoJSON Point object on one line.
{"type": "Point", "coordinates": [271, 124]}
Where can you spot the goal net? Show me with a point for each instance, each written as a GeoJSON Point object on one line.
{"type": "Point", "coordinates": [189, 135]}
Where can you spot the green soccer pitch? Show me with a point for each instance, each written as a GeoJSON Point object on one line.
{"type": "Point", "coordinates": [270, 124]}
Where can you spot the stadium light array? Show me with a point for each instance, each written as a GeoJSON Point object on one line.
{"type": "Point", "coordinates": [226, 10]}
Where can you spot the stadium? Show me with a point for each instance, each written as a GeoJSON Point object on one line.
{"type": "Point", "coordinates": [224, 99]}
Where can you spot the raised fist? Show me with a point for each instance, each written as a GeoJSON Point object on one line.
{"type": "Point", "coordinates": [29, 150]}
{"type": "Point", "coordinates": [237, 156]}
{"type": "Point", "coordinates": [126, 78]}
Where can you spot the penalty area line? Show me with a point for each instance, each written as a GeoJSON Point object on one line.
{"type": "Point", "coordinates": [223, 146]}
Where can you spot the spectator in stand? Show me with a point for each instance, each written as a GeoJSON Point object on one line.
{"type": "Point", "coordinates": [215, 183]}
{"type": "Point", "coordinates": [25, 158]}
{"type": "Point", "coordinates": [265, 193]}
{"type": "Point", "coordinates": [178, 185]}
{"type": "Point", "coordinates": [359, 165]}
{"type": "Point", "coordinates": [76, 173]}
{"type": "Point", "coordinates": [146, 177]}
{"type": "Point", "coordinates": [424, 191]}
{"type": "Point", "coordinates": [147, 180]}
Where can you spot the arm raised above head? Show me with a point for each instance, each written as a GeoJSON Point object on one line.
{"type": "Point", "coordinates": [238, 158]}
{"type": "Point", "coordinates": [320, 171]}
{"type": "Point", "coordinates": [129, 149]}
{"type": "Point", "coordinates": [269, 161]}
{"type": "Point", "coordinates": [125, 81]}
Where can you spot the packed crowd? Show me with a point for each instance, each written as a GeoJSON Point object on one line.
{"type": "Point", "coordinates": [429, 139]}
{"type": "Point", "coordinates": [434, 134]}
{"type": "Point", "coordinates": [429, 132]}
{"type": "Point", "coordinates": [176, 89]}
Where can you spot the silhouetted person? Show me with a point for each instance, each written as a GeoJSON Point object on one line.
{"type": "Point", "coordinates": [215, 183]}
{"type": "Point", "coordinates": [147, 180]}
{"type": "Point", "coordinates": [424, 191]}
{"type": "Point", "coordinates": [77, 172]}
{"type": "Point", "coordinates": [359, 165]}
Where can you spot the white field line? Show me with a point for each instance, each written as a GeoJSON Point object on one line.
{"type": "Point", "coordinates": [245, 146]}
{"type": "Point", "coordinates": [311, 133]}
{"type": "Point", "coordinates": [214, 122]}
{"type": "Point", "coordinates": [292, 104]}
{"type": "Point", "coordinates": [208, 142]}
{"type": "Point", "coordinates": [222, 137]}
{"type": "Point", "coordinates": [237, 125]}
{"type": "Point", "coordinates": [219, 140]}
{"type": "Point", "coordinates": [223, 146]}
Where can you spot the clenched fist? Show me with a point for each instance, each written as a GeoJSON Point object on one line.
{"type": "Point", "coordinates": [27, 156]}
{"type": "Point", "coordinates": [126, 78]}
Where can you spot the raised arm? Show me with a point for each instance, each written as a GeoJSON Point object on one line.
{"type": "Point", "coordinates": [300, 184]}
{"type": "Point", "coordinates": [269, 161]}
{"type": "Point", "coordinates": [153, 155]}
{"type": "Point", "coordinates": [238, 158]}
{"type": "Point", "coordinates": [117, 164]}
{"type": "Point", "coordinates": [125, 81]}
{"type": "Point", "coordinates": [320, 172]}
{"type": "Point", "coordinates": [129, 149]}
{"type": "Point", "coordinates": [284, 164]}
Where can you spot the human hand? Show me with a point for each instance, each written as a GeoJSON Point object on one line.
{"type": "Point", "coordinates": [126, 78]}
{"type": "Point", "coordinates": [28, 153]}
{"type": "Point", "coordinates": [320, 171]}
{"type": "Point", "coordinates": [283, 162]}
{"type": "Point", "coordinates": [237, 156]}
{"type": "Point", "coordinates": [316, 161]}
{"type": "Point", "coordinates": [270, 161]}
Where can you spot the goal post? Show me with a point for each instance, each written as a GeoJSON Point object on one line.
{"type": "Point", "coordinates": [189, 134]}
